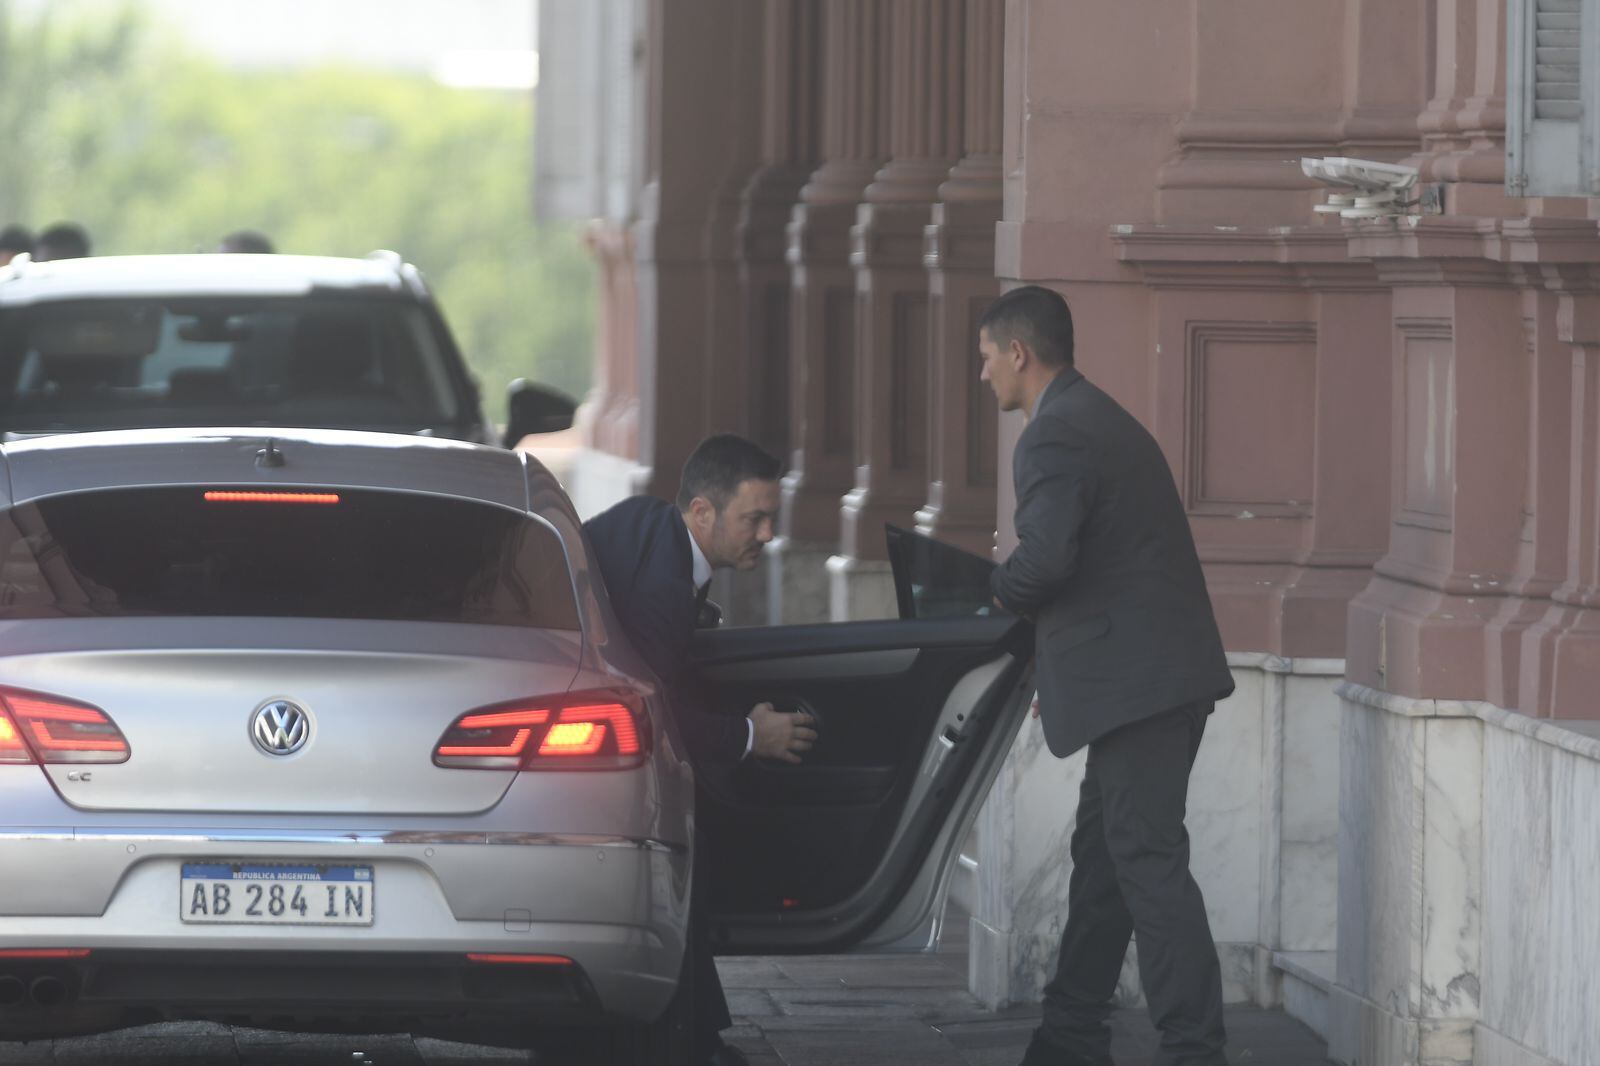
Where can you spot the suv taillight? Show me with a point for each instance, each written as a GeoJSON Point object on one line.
{"type": "Point", "coordinates": [603, 729]}
{"type": "Point", "coordinates": [35, 728]}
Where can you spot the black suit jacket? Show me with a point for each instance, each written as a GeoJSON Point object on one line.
{"type": "Point", "coordinates": [642, 548]}
{"type": "Point", "coordinates": [1106, 566]}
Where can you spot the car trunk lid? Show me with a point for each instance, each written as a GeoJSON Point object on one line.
{"type": "Point", "coordinates": [308, 729]}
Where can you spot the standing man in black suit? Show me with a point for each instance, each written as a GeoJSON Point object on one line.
{"type": "Point", "coordinates": [1130, 664]}
{"type": "Point", "coordinates": [656, 559]}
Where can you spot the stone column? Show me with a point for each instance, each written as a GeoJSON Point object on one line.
{"type": "Point", "coordinates": [959, 253]}
{"type": "Point", "coordinates": [756, 401]}
{"type": "Point", "coordinates": [700, 112]}
{"type": "Point", "coordinates": [1457, 495]}
{"type": "Point", "coordinates": [822, 309]}
{"type": "Point", "coordinates": [1561, 651]}
{"type": "Point", "coordinates": [1464, 124]}
{"type": "Point", "coordinates": [791, 144]}
{"type": "Point", "coordinates": [1521, 637]}
{"type": "Point", "coordinates": [892, 339]}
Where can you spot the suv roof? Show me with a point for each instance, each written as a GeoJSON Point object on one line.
{"type": "Point", "coordinates": [208, 274]}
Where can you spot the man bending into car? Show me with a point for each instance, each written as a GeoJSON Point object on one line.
{"type": "Point", "coordinates": [657, 559]}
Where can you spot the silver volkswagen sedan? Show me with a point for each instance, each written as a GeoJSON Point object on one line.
{"type": "Point", "coordinates": [323, 729]}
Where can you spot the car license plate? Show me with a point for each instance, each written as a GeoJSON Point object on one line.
{"type": "Point", "coordinates": [256, 893]}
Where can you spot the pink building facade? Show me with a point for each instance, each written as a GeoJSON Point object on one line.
{"type": "Point", "coordinates": [1387, 431]}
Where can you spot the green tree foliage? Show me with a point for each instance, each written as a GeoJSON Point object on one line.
{"type": "Point", "coordinates": [154, 149]}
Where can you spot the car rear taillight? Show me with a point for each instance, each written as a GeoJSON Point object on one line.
{"type": "Point", "coordinates": [35, 728]}
{"type": "Point", "coordinates": [12, 749]}
{"type": "Point", "coordinates": [604, 729]}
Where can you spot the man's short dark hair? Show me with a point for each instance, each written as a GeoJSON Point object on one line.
{"type": "Point", "coordinates": [720, 465]}
{"type": "Point", "coordinates": [67, 240]}
{"type": "Point", "coordinates": [1036, 316]}
{"type": "Point", "coordinates": [15, 239]}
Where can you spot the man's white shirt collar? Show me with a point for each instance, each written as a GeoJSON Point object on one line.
{"type": "Point", "coordinates": [702, 574]}
{"type": "Point", "coordinates": [702, 566]}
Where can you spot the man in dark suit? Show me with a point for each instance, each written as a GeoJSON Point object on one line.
{"type": "Point", "coordinates": [656, 559]}
{"type": "Point", "coordinates": [1130, 664]}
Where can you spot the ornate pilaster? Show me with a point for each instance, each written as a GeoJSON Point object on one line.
{"type": "Point", "coordinates": [959, 254]}
{"type": "Point", "coordinates": [791, 145]}
{"type": "Point", "coordinates": [822, 307]}
{"type": "Point", "coordinates": [699, 150]}
{"type": "Point", "coordinates": [892, 329]}
{"type": "Point", "coordinates": [1464, 124]}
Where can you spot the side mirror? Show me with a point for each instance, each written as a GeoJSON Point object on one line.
{"type": "Point", "coordinates": [532, 408]}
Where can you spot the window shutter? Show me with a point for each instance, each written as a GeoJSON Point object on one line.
{"type": "Point", "coordinates": [1555, 84]}
{"type": "Point", "coordinates": [1551, 106]}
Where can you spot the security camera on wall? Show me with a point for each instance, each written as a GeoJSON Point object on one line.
{"type": "Point", "coordinates": [1363, 188]}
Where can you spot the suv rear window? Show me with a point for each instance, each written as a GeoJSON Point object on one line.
{"type": "Point", "coordinates": [340, 362]}
{"type": "Point", "coordinates": [370, 555]}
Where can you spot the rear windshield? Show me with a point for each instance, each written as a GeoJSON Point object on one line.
{"type": "Point", "coordinates": [370, 555]}
{"type": "Point", "coordinates": [332, 362]}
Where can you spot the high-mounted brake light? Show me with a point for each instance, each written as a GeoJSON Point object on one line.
{"type": "Point", "coordinates": [597, 730]}
{"type": "Point", "coordinates": [219, 496]}
{"type": "Point", "coordinates": [44, 953]}
{"type": "Point", "coordinates": [50, 730]}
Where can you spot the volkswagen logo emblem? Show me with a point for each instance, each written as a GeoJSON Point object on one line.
{"type": "Point", "coordinates": [280, 728]}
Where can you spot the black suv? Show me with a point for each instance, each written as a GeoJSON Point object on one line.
{"type": "Point", "coordinates": [132, 342]}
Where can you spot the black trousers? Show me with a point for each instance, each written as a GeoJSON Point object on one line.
{"type": "Point", "coordinates": [1130, 875]}
{"type": "Point", "coordinates": [710, 1004]}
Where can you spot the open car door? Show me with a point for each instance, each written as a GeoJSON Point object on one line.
{"type": "Point", "coordinates": [853, 848]}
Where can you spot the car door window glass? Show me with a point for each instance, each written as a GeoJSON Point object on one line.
{"type": "Point", "coordinates": [936, 580]}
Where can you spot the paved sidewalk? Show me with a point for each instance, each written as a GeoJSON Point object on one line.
{"type": "Point", "coordinates": [916, 1011]}
{"type": "Point", "coordinates": [795, 1011]}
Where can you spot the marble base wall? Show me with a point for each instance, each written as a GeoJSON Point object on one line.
{"type": "Point", "coordinates": [1496, 1049]}
{"type": "Point", "coordinates": [1540, 996]}
{"type": "Point", "coordinates": [595, 480]}
{"type": "Point", "coordinates": [742, 594]}
{"type": "Point", "coordinates": [1262, 820]}
{"type": "Point", "coordinates": [860, 589]}
{"type": "Point", "coordinates": [1410, 895]}
{"type": "Point", "coordinates": [797, 582]}
{"type": "Point", "coordinates": [1469, 855]}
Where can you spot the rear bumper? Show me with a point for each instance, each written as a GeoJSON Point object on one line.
{"type": "Point", "coordinates": [618, 908]}
{"type": "Point", "coordinates": [431, 994]}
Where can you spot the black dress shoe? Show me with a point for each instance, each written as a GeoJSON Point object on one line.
{"type": "Point", "coordinates": [727, 1055]}
{"type": "Point", "coordinates": [1043, 1053]}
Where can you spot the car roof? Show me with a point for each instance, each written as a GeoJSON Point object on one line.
{"type": "Point", "coordinates": [322, 458]}
{"type": "Point", "coordinates": [216, 274]}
